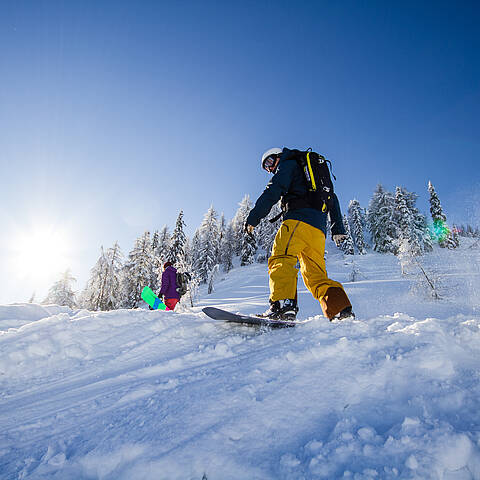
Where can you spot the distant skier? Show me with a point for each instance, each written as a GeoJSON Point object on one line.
{"type": "Point", "coordinates": [301, 236]}
{"type": "Point", "coordinates": [169, 286]}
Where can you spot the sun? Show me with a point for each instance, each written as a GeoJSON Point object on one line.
{"type": "Point", "coordinates": [40, 253]}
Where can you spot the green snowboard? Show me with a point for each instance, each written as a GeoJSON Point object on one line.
{"type": "Point", "coordinates": [149, 297]}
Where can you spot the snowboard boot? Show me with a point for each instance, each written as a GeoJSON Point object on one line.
{"type": "Point", "coordinates": [344, 314]}
{"type": "Point", "coordinates": [282, 310]}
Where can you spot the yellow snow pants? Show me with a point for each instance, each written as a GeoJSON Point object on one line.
{"type": "Point", "coordinates": [299, 240]}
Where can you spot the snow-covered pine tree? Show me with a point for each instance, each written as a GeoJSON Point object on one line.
{"type": "Point", "coordinates": [357, 222]}
{"type": "Point", "coordinates": [440, 230]}
{"type": "Point", "coordinates": [347, 245]}
{"type": "Point", "coordinates": [162, 249]}
{"type": "Point", "coordinates": [222, 231]}
{"type": "Point", "coordinates": [195, 249]}
{"type": "Point", "coordinates": [226, 250]}
{"type": "Point", "coordinates": [137, 271]}
{"type": "Point", "coordinates": [381, 220]}
{"type": "Point", "coordinates": [155, 240]}
{"type": "Point", "coordinates": [420, 226]}
{"type": "Point", "coordinates": [249, 248]}
{"type": "Point", "coordinates": [90, 295]}
{"type": "Point", "coordinates": [194, 282]}
{"type": "Point", "coordinates": [177, 244]}
{"type": "Point", "coordinates": [111, 293]}
{"type": "Point", "coordinates": [452, 241]}
{"type": "Point", "coordinates": [265, 233]}
{"type": "Point", "coordinates": [435, 206]}
{"type": "Point", "coordinates": [156, 263]}
{"type": "Point", "coordinates": [406, 244]}
{"type": "Point", "coordinates": [238, 223]}
{"type": "Point", "coordinates": [207, 245]}
{"type": "Point", "coordinates": [103, 290]}
{"type": "Point", "coordinates": [61, 292]}
{"type": "Point", "coordinates": [405, 216]}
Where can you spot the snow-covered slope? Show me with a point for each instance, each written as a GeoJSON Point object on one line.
{"type": "Point", "coordinates": [137, 394]}
{"type": "Point", "coordinates": [14, 316]}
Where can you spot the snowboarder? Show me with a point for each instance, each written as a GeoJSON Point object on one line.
{"type": "Point", "coordinates": [301, 236]}
{"type": "Point", "coordinates": [169, 286]}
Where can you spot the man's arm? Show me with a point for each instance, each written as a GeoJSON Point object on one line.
{"type": "Point", "coordinates": [276, 188]}
{"type": "Point", "coordinates": [337, 228]}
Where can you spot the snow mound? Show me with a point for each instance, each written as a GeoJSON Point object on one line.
{"type": "Point", "coordinates": [18, 314]}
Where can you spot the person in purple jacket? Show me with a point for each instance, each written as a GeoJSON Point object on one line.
{"type": "Point", "coordinates": [169, 286]}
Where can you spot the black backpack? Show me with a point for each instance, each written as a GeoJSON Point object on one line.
{"type": "Point", "coordinates": [182, 283]}
{"type": "Point", "coordinates": [317, 177]}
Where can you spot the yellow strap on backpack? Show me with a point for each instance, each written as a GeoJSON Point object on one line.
{"type": "Point", "coordinates": [309, 165]}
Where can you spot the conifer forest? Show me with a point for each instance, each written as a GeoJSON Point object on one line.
{"type": "Point", "coordinates": [390, 224]}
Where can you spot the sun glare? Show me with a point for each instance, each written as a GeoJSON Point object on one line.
{"type": "Point", "coordinates": [41, 253]}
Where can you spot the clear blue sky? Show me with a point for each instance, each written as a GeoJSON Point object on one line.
{"type": "Point", "coordinates": [114, 115]}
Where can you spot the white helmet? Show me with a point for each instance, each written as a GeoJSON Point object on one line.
{"type": "Point", "coordinates": [271, 151]}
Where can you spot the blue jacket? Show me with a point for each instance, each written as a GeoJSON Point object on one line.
{"type": "Point", "coordinates": [289, 180]}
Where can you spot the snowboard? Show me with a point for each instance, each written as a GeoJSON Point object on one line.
{"type": "Point", "coordinates": [219, 314]}
{"type": "Point", "coordinates": [151, 299]}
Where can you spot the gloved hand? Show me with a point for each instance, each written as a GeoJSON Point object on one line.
{"type": "Point", "coordinates": [248, 228]}
{"type": "Point", "coordinates": [338, 239]}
